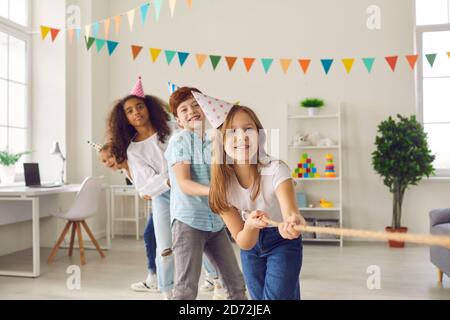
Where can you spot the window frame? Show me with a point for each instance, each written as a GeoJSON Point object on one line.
{"type": "Point", "coordinates": [419, 31]}
{"type": "Point", "coordinates": [23, 33]}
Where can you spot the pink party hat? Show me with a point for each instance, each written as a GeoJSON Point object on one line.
{"type": "Point", "coordinates": [97, 147]}
{"type": "Point", "coordinates": [215, 110]}
{"type": "Point", "coordinates": [138, 89]}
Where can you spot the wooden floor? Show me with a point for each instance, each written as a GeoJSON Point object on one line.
{"type": "Point", "coordinates": [329, 272]}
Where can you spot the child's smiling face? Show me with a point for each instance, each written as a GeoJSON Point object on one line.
{"type": "Point", "coordinates": [241, 139]}
{"type": "Point", "coordinates": [190, 115]}
{"type": "Point", "coordinates": [136, 112]}
{"type": "Point", "coordinates": [107, 159]}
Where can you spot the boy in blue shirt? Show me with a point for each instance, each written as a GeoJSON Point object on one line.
{"type": "Point", "coordinates": [195, 228]}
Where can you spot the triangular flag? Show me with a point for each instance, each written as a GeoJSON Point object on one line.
{"type": "Point", "coordinates": [189, 3]}
{"type": "Point", "coordinates": [348, 64]}
{"type": "Point", "coordinates": [248, 63]}
{"type": "Point", "coordinates": [448, 53]}
{"type": "Point", "coordinates": [54, 33]}
{"type": "Point", "coordinates": [136, 50]}
{"type": "Point", "coordinates": [169, 56]}
{"type": "Point", "coordinates": [157, 4]}
{"type": "Point", "coordinates": [131, 15]}
{"type": "Point", "coordinates": [95, 28]}
{"type": "Point", "coordinates": [182, 56]}
{"type": "Point", "coordinates": [412, 60]}
{"type": "Point", "coordinates": [215, 61]}
{"type": "Point", "coordinates": [100, 43]}
{"type": "Point", "coordinates": [392, 61]}
{"type": "Point", "coordinates": [70, 33]}
{"type": "Point", "coordinates": [304, 64]}
{"type": "Point", "coordinates": [144, 12]}
{"type": "Point", "coordinates": [172, 87]}
{"type": "Point", "coordinates": [44, 32]}
{"type": "Point", "coordinates": [201, 58]}
{"type": "Point", "coordinates": [89, 42]}
{"type": "Point", "coordinates": [107, 25]}
{"type": "Point", "coordinates": [368, 63]}
{"type": "Point", "coordinates": [112, 45]}
{"type": "Point", "coordinates": [267, 63]}
{"type": "Point", "coordinates": [326, 63]}
{"type": "Point", "coordinates": [78, 33]}
{"type": "Point", "coordinates": [87, 30]}
{"type": "Point", "coordinates": [431, 58]}
{"type": "Point", "coordinates": [154, 54]}
{"type": "Point", "coordinates": [285, 64]}
{"type": "Point", "coordinates": [117, 23]}
{"type": "Point", "coordinates": [231, 61]}
{"type": "Point", "coordinates": [172, 4]}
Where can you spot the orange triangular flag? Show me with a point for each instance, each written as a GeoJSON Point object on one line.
{"type": "Point", "coordinates": [448, 53]}
{"type": "Point", "coordinates": [412, 60]}
{"type": "Point", "coordinates": [117, 22]}
{"type": "Point", "coordinates": [136, 50]}
{"type": "Point", "coordinates": [231, 62]}
{"type": "Point", "coordinates": [201, 58]}
{"type": "Point", "coordinates": [71, 33]}
{"type": "Point", "coordinates": [107, 24]}
{"type": "Point", "coordinates": [154, 53]}
{"type": "Point", "coordinates": [392, 61]}
{"type": "Point", "coordinates": [189, 3]}
{"type": "Point", "coordinates": [304, 64]}
{"type": "Point", "coordinates": [285, 64]}
{"type": "Point", "coordinates": [248, 63]}
{"type": "Point", "coordinates": [44, 32]}
{"type": "Point", "coordinates": [54, 33]}
{"type": "Point", "coordinates": [348, 64]}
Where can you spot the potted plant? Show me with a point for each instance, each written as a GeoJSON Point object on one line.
{"type": "Point", "coordinates": [402, 159]}
{"type": "Point", "coordinates": [312, 105]}
{"type": "Point", "coordinates": [8, 166]}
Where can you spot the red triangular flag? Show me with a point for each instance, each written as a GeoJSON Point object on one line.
{"type": "Point", "coordinates": [392, 61]}
{"type": "Point", "coordinates": [412, 60]}
{"type": "Point", "coordinates": [136, 50]}
{"type": "Point", "coordinates": [249, 63]}
{"type": "Point", "coordinates": [304, 64]}
{"type": "Point", "coordinates": [54, 33]}
{"type": "Point", "coordinates": [230, 62]}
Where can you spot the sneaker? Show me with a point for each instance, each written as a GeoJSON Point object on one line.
{"type": "Point", "coordinates": [220, 293]}
{"type": "Point", "coordinates": [207, 286]}
{"type": "Point", "coordinates": [144, 287]}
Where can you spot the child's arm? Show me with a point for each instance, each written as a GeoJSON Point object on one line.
{"type": "Point", "coordinates": [245, 234]}
{"type": "Point", "coordinates": [182, 172]}
{"type": "Point", "coordinates": [286, 197]}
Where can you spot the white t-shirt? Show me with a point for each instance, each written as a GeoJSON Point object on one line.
{"type": "Point", "coordinates": [148, 166]}
{"type": "Point", "coordinates": [272, 176]}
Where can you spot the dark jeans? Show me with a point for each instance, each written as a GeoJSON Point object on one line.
{"type": "Point", "coordinates": [272, 268]}
{"type": "Point", "coordinates": [150, 245]}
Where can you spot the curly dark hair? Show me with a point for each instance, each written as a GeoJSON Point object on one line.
{"type": "Point", "coordinates": [121, 132]}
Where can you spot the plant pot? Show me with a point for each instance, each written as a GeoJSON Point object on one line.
{"type": "Point", "coordinates": [7, 174]}
{"type": "Point", "coordinates": [313, 112]}
{"type": "Point", "coordinates": [396, 244]}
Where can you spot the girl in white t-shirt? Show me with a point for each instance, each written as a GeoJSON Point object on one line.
{"type": "Point", "coordinates": [246, 186]}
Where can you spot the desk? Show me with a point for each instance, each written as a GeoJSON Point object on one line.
{"type": "Point", "coordinates": [32, 195]}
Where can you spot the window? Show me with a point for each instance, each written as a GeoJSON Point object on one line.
{"type": "Point", "coordinates": [433, 37]}
{"type": "Point", "coordinates": [14, 77]}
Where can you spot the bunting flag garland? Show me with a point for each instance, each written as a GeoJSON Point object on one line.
{"type": "Point", "coordinates": [169, 56]}
{"type": "Point", "coordinates": [348, 64]}
{"type": "Point", "coordinates": [144, 12]}
{"type": "Point", "coordinates": [392, 61]}
{"type": "Point", "coordinates": [267, 63]}
{"type": "Point", "coordinates": [53, 33]}
{"type": "Point", "coordinates": [172, 4]}
{"type": "Point", "coordinates": [131, 15]}
{"type": "Point", "coordinates": [155, 54]}
{"type": "Point", "coordinates": [107, 25]}
{"type": "Point", "coordinates": [285, 64]}
{"type": "Point", "coordinates": [112, 45]}
{"type": "Point", "coordinates": [215, 61]}
{"type": "Point", "coordinates": [412, 60]}
{"type": "Point", "coordinates": [78, 33]}
{"type": "Point", "coordinates": [71, 33]}
{"type": "Point", "coordinates": [95, 29]}
{"type": "Point", "coordinates": [248, 62]}
{"type": "Point", "coordinates": [157, 4]}
{"type": "Point", "coordinates": [182, 56]}
{"type": "Point", "coordinates": [99, 43]}
{"type": "Point", "coordinates": [326, 64]}
{"type": "Point", "coordinates": [44, 32]}
{"type": "Point", "coordinates": [89, 42]}
{"type": "Point", "coordinates": [304, 64]}
{"type": "Point", "coordinates": [201, 58]}
{"type": "Point", "coordinates": [368, 63]}
{"type": "Point", "coordinates": [117, 23]}
{"type": "Point", "coordinates": [448, 54]}
{"type": "Point", "coordinates": [431, 58]}
{"type": "Point", "coordinates": [231, 61]}
{"type": "Point", "coordinates": [87, 30]}
{"type": "Point", "coordinates": [136, 50]}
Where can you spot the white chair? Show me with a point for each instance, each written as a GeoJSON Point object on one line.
{"type": "Point", "coordinates": [84, 206]}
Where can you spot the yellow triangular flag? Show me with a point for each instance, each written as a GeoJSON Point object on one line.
{"type": "Point", "coordinates": [44, 32]}
{"type": "Point", "coordinates": [107, 24]}
{"type": "Point", "coordinates": [448, 53]}
{"type": "Point", "coordinates": [285, 64]}
{"type": "Point", "coordinates": [117, 22]}
{"type": "Point", "coordinates": [87, 30]}
{"type": "Point", "coordinates": [71, 34]}
{"type": "Point", "coordinates": [201, 58]}
{"type": "Point", "coordinates": [348, 64]}
{"type": "Point", "coordinates": [154, 53]}
{"type": "Point", "coordinates": [172, 4]}
{"type": "Point", "coordinates": [131, 15]}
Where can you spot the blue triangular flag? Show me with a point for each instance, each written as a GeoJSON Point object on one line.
{"type": "Point", "coordinates": [112, 45]}
{"type": "Point", "coordinates": [144, 12]}
{"type": "Point", "coordinates": [100, 43]}
{"type": "Point", "coordinates": [368, 62]}
{"type": "Point", "coordinates": [95, 27]}
{"type": "Point", "coordinates": [326, 63]}
{"type": "Point", "coordinates": [169, 56]}
{"type": "Point", "coordinates": [182, 56]}
{"type": "Point", "coordinates": [267, 63]}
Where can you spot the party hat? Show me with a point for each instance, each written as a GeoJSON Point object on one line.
{"type": "Point", "coordinates": [97, 147]}
{"type": "Point", "coordinates": [172, 87]}
{"type": "Point", "coordinates": [138, 89]}
{"type": "Point", "coordinates": [215, 110]}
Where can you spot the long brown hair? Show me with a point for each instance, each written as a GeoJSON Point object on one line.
{"type": "Point", "coordinates": [222, 169]}
{"type": "Point", "coordinates": [121, 132]}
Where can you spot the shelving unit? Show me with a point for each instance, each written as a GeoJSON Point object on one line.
{"type": "Point", "coordinates": [326, 122]}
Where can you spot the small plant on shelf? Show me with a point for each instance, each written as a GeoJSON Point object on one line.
{"type": "Point", "coordinates": [312, 105]}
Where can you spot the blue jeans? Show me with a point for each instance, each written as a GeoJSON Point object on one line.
{"type": "Point", "coordinates": [163, 235]}
{"type": "Point", "coordinates": [272, 268]}
{"type": "Point", "coordinates": [150, 245]}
